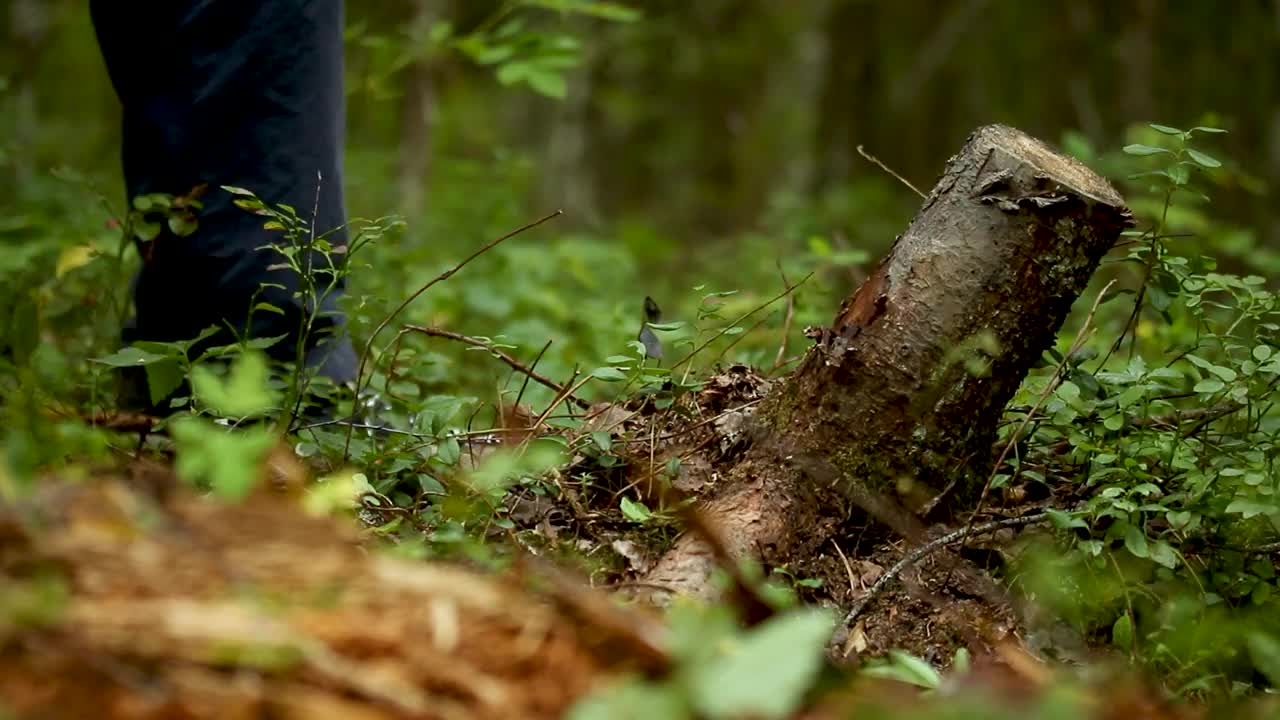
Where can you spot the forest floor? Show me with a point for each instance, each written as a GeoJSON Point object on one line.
{"type": "Point", "coordinates": [131, 596]}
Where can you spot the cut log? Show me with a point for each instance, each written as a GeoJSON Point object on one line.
{"type": "Point", "coordinates": [901, 395]}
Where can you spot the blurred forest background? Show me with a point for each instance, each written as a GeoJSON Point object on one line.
{"type": "Point", "coordinates": [710, 142]}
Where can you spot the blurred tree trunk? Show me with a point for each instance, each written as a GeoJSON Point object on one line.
{"type": "Point", "coordinates": [794, 89]}
{"type": "Point", "coordinates": [416, 107]}
{"type": "Point", "coordinates": [29, 22]}
{"type": "Point", "coordinates": [1139, 51]}
{"type": "Point", "coordinates": [1272, 222]}
{"type": "Point", "coordinates": [885, 410]}
{"type": "Point", "coordinates": [566, 181]}
{"type": "Point", "coordinates": [850, 90]}
{"type": "Point", "coordinates": [1079, 86]}
{"type": "Point", "coordinates": [935, 52]}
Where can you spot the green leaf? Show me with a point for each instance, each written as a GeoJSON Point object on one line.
{"type": "Point", "coordinates": [163, 378]}
{"type": "Point", "coordinates": [237, 191]}
{"type": "Point", "coordinates": [667, 327]}
{"type": "Point", "coordinates": [1203, 129]}
{"type": "Point", "coordinates": [182, 225]}
{"type": "Point", "coordinates": [131, 357]}
{"type": "Point", "coordinates": [1140, 149]}
{"type": "Point", "coordinates": [1202, 159]}
{"type": "Point", "coordinates": [634, 511]}
{"type": "Point", "coordinates": [1160, 300]}
{"type": "Point", "coordinates": [1135, 541]}
{"type": "Point", "coordinates": [1249, 508]}
{"type": "Point", "coordinates": [1065, 521]}
{"type": "Point", "coordinates": [439, 32]}
{"type": "Point", "coordinates": [1122, 632]}
{"type": "Point", "coordinates": [612, 11]}
{"type": "Point", "coordinates": [267, 307]}
{"type": "Point", "coordinates": [1264, 651]}
{"type": "Point", "coordinates": [766, 673]}
{"type": "Point", "coordinates": [1199, 361]}
{"type": "Point", "coordinates": [495, 54]}
{"type": "Point", "coordinates": [512, 72]}
{"type": "Point", "coordinates": [227, 460]}
{"type": "Point", "coordinates": [550, 84]}
{"type": "Point", "coordinates": [634, 700]}
{"type": "Point", "coordinates": [908, 669]}
{"type": "Point", "coordinates": [244, 392]}
{"type": "Point", "coordinates": [262, 343]}
{"type": "Point", "coordinates": [1227, 374]}
{"type": "Point", "coordinates": [1179, 519]}
{"type": "Point", "coordinates": [1209, 385]}
{"type": "Point", "coordinates": [1164, 129]}
{"type": "Point", "coordinates": [673, 467]}
{"type": "Point", "coordinates": [602, 440]}
{"type": "Point", "coordinates": [1262, 353]}
{"type": "Point", "coordinates": [1163, 553]}
{"type": "Point", "coordinates": [609, 374]}
{"type": "Point", "coordinates": [449, 451]}
{"type": "Point", "coordinates": [146, 231]}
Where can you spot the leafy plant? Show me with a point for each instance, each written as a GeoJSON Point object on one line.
{"type": "Point", "coordinates": [723, 672]}
{"type": "Point", "coordinates": [1173, 443]}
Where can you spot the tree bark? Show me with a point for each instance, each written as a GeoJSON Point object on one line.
{"type": "Point", "coordinates": [29, 24]}
{"type": "Point", "coordinates": [886, 406]}
{"type": "Point", "coordinates": [567, 175]}
{"type": "Point", "coordinates": [417, 106]}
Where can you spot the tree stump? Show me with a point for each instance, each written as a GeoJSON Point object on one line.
{"type": "Point", "coordinates": [901, 395]}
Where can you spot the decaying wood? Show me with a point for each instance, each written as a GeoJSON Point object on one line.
{"type": "Point", "coordinates": [121, 604]}
{"type": "Point", "coordinates": [886, 408]}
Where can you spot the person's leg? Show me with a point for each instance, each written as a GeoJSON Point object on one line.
{"type": "Point", "coordinates": [230, 92]}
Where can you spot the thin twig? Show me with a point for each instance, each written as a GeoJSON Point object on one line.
{"type": "Point", "coordinates": [886, 168]}
{"type": "Point", "coordinates": [738, 339]}
{"type": "Point", "coordinates": [915, 555]}
{"type": "Point", "coordinates": [528, 375]}
{"type": "Point", "coordinates": [373, 336]}
{"type": "Point", "coordinates": [734, 324]}
{"type": "Point", "coordinates": [567, 392]}
{"type": "Point", "coordinates": [848, 567]}
{"type": "Point", "coordinates": [786, 322]}
{"type": "Point", "coordinates": [501, 355]}
{"type": "Point", "coordinates": [365, 426]}
{"type": "Point", "coordinates": [307, 283]}
{"type": "Point", "coordinates": [701, 423]}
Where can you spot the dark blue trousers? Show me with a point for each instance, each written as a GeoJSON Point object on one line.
{"type": "Point", "coordinates": [246, 93]}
